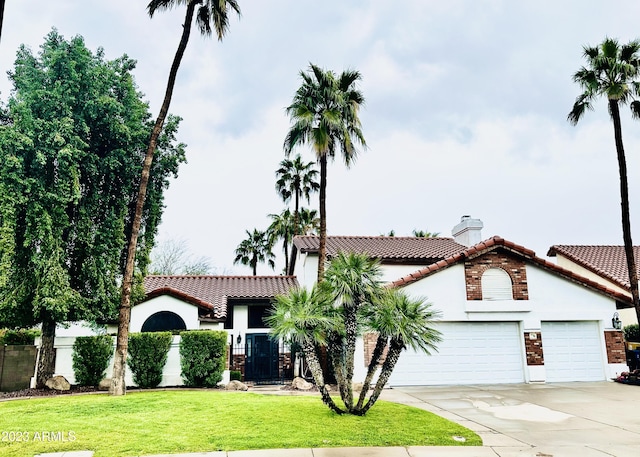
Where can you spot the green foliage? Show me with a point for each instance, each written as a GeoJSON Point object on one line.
{"type": "Point", "coordinates": [148, 356]}
{"type": "Point", "coordinates": [202, 357]}
{"type": "Point", "coordinates": [18, 337]}
{"type": "Point", "coordinates": [235, 375]}
{"type": "Point", "coordinates": [255, 248]}
{"type": "Point", "coordinates": [91, 356]}
{"type": "Point", "coordinates": [76, 130]}
{"type": "Point", "coordinates": [632, 332]}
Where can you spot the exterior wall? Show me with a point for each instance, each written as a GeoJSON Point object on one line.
{"type": "Point", "coordinates": [140, 313]}
{"type": "Point", "coordinates": [515, 268]}
{"type": "Point", "coordinates": [614, 341]}
{"type": "Point", "coordinates": [17, 366]}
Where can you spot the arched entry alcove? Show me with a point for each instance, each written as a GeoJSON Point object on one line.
{"type": "Point", "coordinates": [163, 321]}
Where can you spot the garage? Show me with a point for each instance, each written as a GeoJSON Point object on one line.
{"type": "Point", "coordinates": [470, 353]}
{"type": "Point", "coordinates": [572, 351]}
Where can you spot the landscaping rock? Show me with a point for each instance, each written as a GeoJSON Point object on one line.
{"type": "Point", "coordinates": [357, 386]}
{"type": "Point", "coordinates": [105, 384]}
{"type": "Point", "coordinates": [236, 385]}
{"type": "Point", "coordinates": [301, 384]}
{"type": "Point", "coordinates": [58, 383]}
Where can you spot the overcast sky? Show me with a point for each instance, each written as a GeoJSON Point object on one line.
{"type": "Point", "coordinates": [465, 114]}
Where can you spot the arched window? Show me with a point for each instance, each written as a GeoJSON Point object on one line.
{"type": "Point", "coordinates": [496, 285]}
{"type": "Point", "coordinates": [163, 321]}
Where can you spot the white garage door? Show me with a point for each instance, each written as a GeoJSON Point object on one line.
{"type": "Point", "coordinates": [572, 351]}
{"type": "Point", "coordinates": [470, 353]}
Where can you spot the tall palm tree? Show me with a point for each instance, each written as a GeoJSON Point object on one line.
{"type": "Point", "coordinates": [324, 113]}
{"type": "Point", "coordinates": [211, 15]}
{"type": "Point", "coordinates": [401, 322]}
{"type": "Point", "coordinates": [309, 222]}
{"type": "Point", "coordinates": [255, 248]}
{"type": "Point", "coordinates": [305, 317]}
{"type": "Point", "coordinates": [296, 179]}
{"type": "Point", "coordinates": [1, 16]}
{"type": "Point", "coordinates": [282, 227]}
{"type": "Point", "coordinates": [613, 71]}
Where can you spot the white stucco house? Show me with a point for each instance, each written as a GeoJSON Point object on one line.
{"type": "Point", "coordinates": [508, 316]}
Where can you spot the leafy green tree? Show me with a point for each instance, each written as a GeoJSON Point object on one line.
{"type": "Point", "coordinates": [324, 114]}
{"type": "Point", "coordinates": [69, 171]}
{"type": "Point", "coordinates": [296, 179]}
{"type": "Point", "coordinates": [210, 16]}
{"type": "Point", "coordinates": [613, 71]}
{"type": "Point", "coordinates": [255, 248]}
{"type": "Point", "coordinates": [349, 301]}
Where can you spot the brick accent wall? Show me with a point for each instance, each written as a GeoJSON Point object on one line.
{"type": "Point", "coordinates": [614, 341]}
{"type": "Point", "coordinates": [533, 347]}
{"type": "Point", "coordinates": [515, 268]}
{"type": "Point", "coordinates": [369, 340]}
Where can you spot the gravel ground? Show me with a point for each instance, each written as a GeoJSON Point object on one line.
{"type": "Point", "coordinates": [45, 392]}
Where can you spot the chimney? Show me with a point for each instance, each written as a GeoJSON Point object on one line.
{"type": "Point", "coordinates": [468, 232]}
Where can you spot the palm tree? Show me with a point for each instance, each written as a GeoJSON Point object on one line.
{"type": "Point", "coordinates": [282, 227]}
{"type": "Point", "coordinates": [1, 16]}
{"type": "Point", "coordinates": [425, 234]}
{"type": "Point", "coordinates": [296, 179]}
{"type": "Point", "coordinates": [353, 281]}
{"type": "Point", "coordinates": [305, 318]}
{"type": "Point", "coordinates": [211, 15]}
{"type": "Point", "coordinates": [255, 248]}
{"type": "Point", "coordinates": [613, 71]}
{"type": "Point", "coordinates": [309, 222]}
{"type": "Point", "coordinates": [324, 112]}
{"type": "Point", "coordinates": [401, 322]}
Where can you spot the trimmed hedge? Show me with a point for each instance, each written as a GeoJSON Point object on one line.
{"type": "Point", "coordinates": [202, 357]}
{"type": "Point", "coordinates": [91, 356]}
{"type": "Point", "coordinates": [148, 356]}
{"type": "Point", "coordinates": [632, 333]}
{"type": "Point", "coordinates": [18, 337]}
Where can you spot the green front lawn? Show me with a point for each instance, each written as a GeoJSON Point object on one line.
{"type": "Point", "coordinates": [207, 420]}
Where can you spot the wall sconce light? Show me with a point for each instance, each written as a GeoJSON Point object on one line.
{"type": "Point", "coordinates": [239, 339]}
{"type": "Point", "coordinates": [616, 322]}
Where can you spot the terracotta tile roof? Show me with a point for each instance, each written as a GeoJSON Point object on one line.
{"type": "Point", "coordinates": [527, 254]}
{"type": "Point", "coordinates": [385, 248]}
{"type": "Point", "coordinates": [212, 292]}
{"type": "Point", "coordinates": [607, 261]}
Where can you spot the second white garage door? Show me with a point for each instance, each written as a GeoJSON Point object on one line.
{"type": "Point", "coordinates": [470, 353]}
{"type": "Point", "coordinates": [572, 351]}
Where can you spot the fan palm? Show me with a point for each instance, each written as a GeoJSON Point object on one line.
{"type": "Point", "coordinates": [255, 248]}
{"type": "Point", "coordinates": [309, 222]}
{"type": "Point", "coordinates": [613, 71]}
{"type": "Point", "coordinates": [211, 15]}
{"type": "Point", "coordinates": [401, 322]}
{"type": "Point", "coordinates": [305, 317]}
{"type": "Point", "coordinates": [296, 179]}
{"type": "Point", "coordinates": [324, 113]}
{"type": "Point", "coordinates": [353, 281]}
{"type": "Point", "coordinates": [282, 227]}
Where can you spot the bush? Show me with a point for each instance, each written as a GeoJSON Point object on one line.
{"type": "Point", "coordinates": [148, 356]}
{"type": "Point", "coordinates": [202, 357]}
{"type": "Point", "coordinates": [91, 356]}
{"type": "Point", "coordinates": [632, 333]}
{"type": "Point", "coordinates": [18, 337]}
{"type": "Point", "coordinates": [235, 375]}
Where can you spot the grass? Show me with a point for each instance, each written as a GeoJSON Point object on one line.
{"type": "Point", "coordinates": [201, 421]}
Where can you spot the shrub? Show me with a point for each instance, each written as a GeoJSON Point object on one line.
{"type": "Point", "coordinates": [202, 357]}
{"type": "Point", "coordinates": [18, 337]}
{"type": "Point", "coordinates": [632, 332]}
{"type": "Point", "coordinates": [235, 375]}
{"type": "Point", "coordinates": [148, 356]}
{"type": "Point", "coordinates": [91, 356]}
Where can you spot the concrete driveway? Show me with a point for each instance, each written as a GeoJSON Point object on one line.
{"type": "Point", "coordinates": [542, 420]}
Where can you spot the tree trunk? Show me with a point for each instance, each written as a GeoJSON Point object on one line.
{"type": "Point", "coordinates": [624, 204]}
{"type": "Point", "coordinates": [120, 358]}
{"type": "Point", "coordinates": [47, 358]}
{"type": "Point", "coordinates": [316, 370]}
{"type": "Point", "coordinates": [381, 343]}
{"type": "Point", "coordinates": [395, 348]}
{"type": "Point", "coordinates": [351, 330]}
{"type": "Point", "coordinates": [322, 250]}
